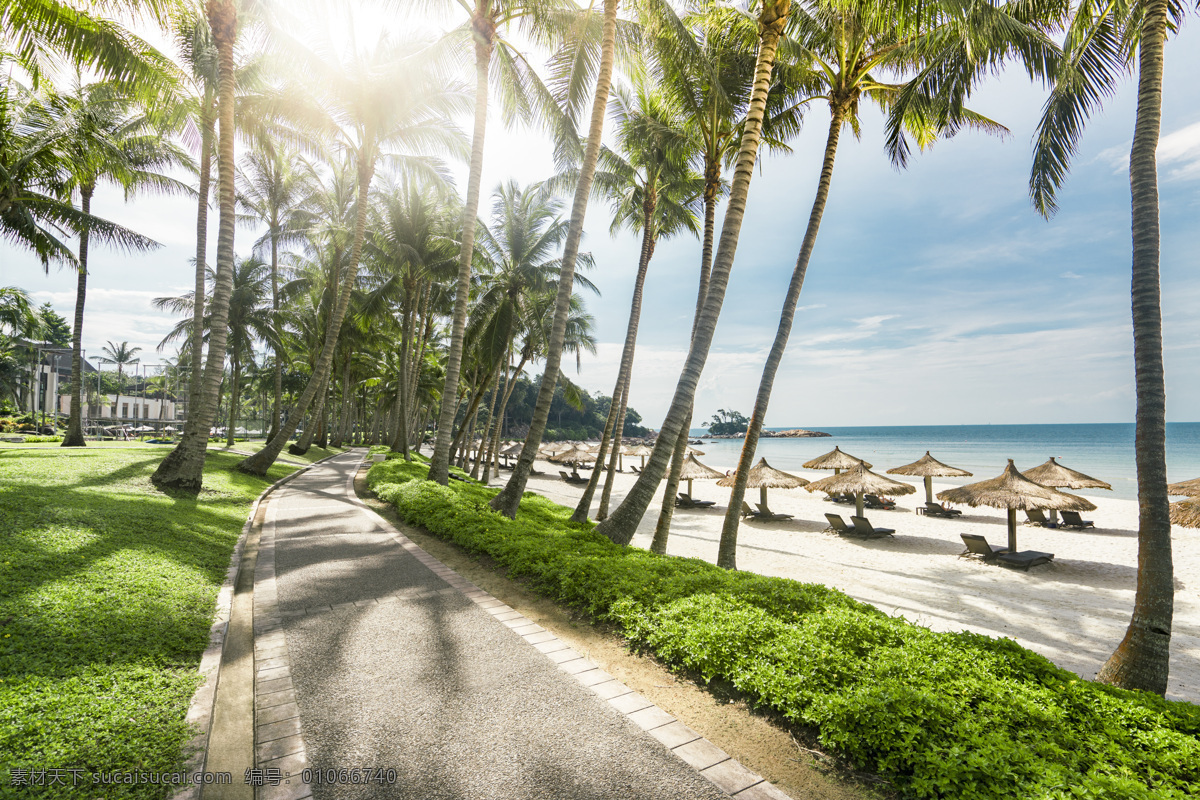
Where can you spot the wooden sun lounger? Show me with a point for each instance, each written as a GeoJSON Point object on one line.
{"type": "Point", "coordinates": [1035, 516]}
{"type": "Point", "coordinates": [747, 511]}
{"type": "Point", "coordinates": [978, 546]}
{"type": "Point", "coordinates": [868, 531]}
{"type": "Point", "coordinates": [684, 500]}
{"type": "Point", "coordinates": [1071, 519]}
{"type": "Point", "coordinates": [767, 515]}
{"type": "Point", "coordinates": [575, 479]}
{"type": "Point", "coordinates": [838, 525]}
{"type": "Point", "coordinates": [939, 510]}
{"type": "Point", "coordinates": [875, 501]}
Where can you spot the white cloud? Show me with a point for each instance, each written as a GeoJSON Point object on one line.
{"type": "Point", "coordinates": [1072, 275]}
{"type": "Point", "coordinates": [1179, 150]}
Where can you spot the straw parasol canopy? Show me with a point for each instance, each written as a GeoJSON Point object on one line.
{"type": "Point", "coordinates": [641, 450]}
{"type": "Point", "coordinates": [575, 456]}
{"type": "Point", "coordinates": [835, 460]}
{"type": "Point", "coordinates": [1187, 488]}
{"type": "Point", "coordinates": [1013, 491]}
{"type": "Point", "coordinates": [691, 451]}
{"type": "Point", "coordinates": [858, 480]}
{"type": "Point", "coordinates": [1186, 513]}
{"type": "Point", "coordinates": [1056, 476]}
{"type": "Point", "coordinates": [928, 467]}
{"type": "Point", "coordinates": [693, 470]}
{"type": "Point", "coordinates": [763, 476]}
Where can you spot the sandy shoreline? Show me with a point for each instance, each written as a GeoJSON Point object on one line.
{"type": "Point", "coordinates": [1074, 610]}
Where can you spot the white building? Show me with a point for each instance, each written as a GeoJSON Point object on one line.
{"type": "Point", "coordinates": [127, 408]}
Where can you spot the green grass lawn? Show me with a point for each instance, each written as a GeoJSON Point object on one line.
{"type": "Point", "coordinates": [107, 590]}
{"type": "Point", "coordinates": [314, 453]}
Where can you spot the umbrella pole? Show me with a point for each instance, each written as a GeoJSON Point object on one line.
{"type": "Point", "coordinates": [929, 489]}
{"type": "Point", "coordinates": [762, 496]}
{"type": "Point", "coordinates": [689, 480]}
{"type": "Point", "coordinates": [1012, 530]}
{"type": "Point", "coordinates": [858, 503]}
{"type": "Point", "coordinates": [1054, 518]}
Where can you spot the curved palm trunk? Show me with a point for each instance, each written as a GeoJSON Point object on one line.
{"type": "Point", "coordinates": [440, 462]}
{"type": "Point", "coordinates": [195, 382]}
{"type": "Point", "coordinates": [235, 392]}
{"type": "Point", "coordinates": [621, 525]}
{"type": "Point", "coordinates": [183, 468]}
{"type": "Point", "coordinates": [260, 462]}
{"type": "Point", "coordinates": [400, 441]}
{"type": "Point", "coordinates": [487, 427]}
{"type": "Point", "coordinates": [315, 423]}
{"type": "Point", "coordinates": [340, 432]}
{"type": "Point", "coordinates": [727, 550]}
{"type": "Point", "coordinates": [1142, 660]}
{"type": "Point", "coordinates": [509, 498]}
{"type": "Point", "coordinates": [712, 184]}
{"type": "Point", "coordinates": [618, 430]}
{"type": "Point", "coordinates": [277, 388]}
{"type": "Point", "coordinates": [74, 437]}
{"type": "Point", "coordinates": [623, 372]}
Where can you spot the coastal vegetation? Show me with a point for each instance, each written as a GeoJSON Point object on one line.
{"type": "Point", "coordinates": [378, 306]}
{"type": "Point", "coordinates": [936, 714]}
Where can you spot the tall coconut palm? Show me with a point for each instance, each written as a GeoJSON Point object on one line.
{"type": "Point", "coordinates": [621, 525]}
{"type": "Point", "coordinates": [183, 467]}
{"type": "Point", "coordinates": [389, 97]}
{"type": "Point", "coordinates": [653, 191]}
{"type": "Point", "coordinates": [274, 187]}
{"type": "Point", "coordinates": [1100, 46]}
{"type": "Point", "coordinates": [122, 355]}
{"type": "Point", "coordinates": [854, 48]}
{"type": "Point", "coordinates": [522, 94]}
{"type": "Point", "coordinates": [509, 498]}
{"type": "Point", "coordinates": [105, 138]}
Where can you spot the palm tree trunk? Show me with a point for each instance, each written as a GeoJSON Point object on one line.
{"type": "Point", "coordinates": [235, 392]}
{"type": "Point", "coordinates": [260, 462]}
{"type": "Point", "coordinates": [195, 382]}
{"type": "Point", "coordinates": [487, 426]}
{"type": "Point", "coordinates": [618, 431]}
{"type": "Point", "coordinates": [509, 498]}
{"type": "Point", "coordinates": [314, 423]}
{"type": "Point", "coordinates": [340, 430]}
{"type": "Point", "coordinates": [277, 388]}
{"type": "Point", "coordinates": [440, 462]}
{"type": "Point", "coordinates": [623, 372]}
{"type": "Point", "coordinates": [183, 468]}
{"type": "Point", "coordinates": [621, 525]}
{"type": "Point", "coordinates": [1142, 660]}
{"type": "Point", "coordinates": [727, 550]}
{"type": "Point", "coordinates": [74, 437]}
{"type": "Point", "coordinates": [712, 184]}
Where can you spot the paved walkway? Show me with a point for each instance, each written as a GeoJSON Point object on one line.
{"type": "Point", "coordinates": [372, 654]}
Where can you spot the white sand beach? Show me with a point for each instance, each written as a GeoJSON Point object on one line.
{"type": "Point", "coordinates": [1074, 610]}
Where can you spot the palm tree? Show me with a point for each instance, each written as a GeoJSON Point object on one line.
{"type": "Point", "coordinates": [104, 138]}
{"type": "Point", "coordinates": [121, 355]}
{"type": "Point", "coordinates": [250, 320]}
{"type": "Point", "coordinates": [620, 526]}
{"type": "Point", "coordinates": [183, 467]}
{"type": "Point", "coordinates": [1099, 47]}
{"type": "Point", "coordinates": [521, 92]}
{"type": "Point", "coordinates": [16, 312]}
{"type": "Point", "coordinates": [653, 191]}
{"type": "Point", "coordinates": [274, 188]}
{"type": "Point", "coordinates": [852, 46]}
{"type": "Point", "coordinates": [509, 498]}
{"type": "Point", "coordinates": [388, 97]}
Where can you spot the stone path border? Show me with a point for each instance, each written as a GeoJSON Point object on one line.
{"type": "Point", "coordinates": [723, 771]}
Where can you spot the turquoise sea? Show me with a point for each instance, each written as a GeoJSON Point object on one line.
{"type": "Point", "coordinates": [1104, 451]}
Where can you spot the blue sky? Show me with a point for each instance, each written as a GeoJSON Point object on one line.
{"type": "Point", "coordinates": [934, 296]}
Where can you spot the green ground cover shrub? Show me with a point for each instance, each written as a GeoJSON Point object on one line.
{"type": "Point", "coordinates": [42, 439]}
{"type": "Point", "coordinates": [107, 589]}
{"type": "Point", "coordinates": [942, 715]}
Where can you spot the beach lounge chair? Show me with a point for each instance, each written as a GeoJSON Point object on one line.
{"type": "Point", "coordinates": [747, 511]}
{"type": "Point", "coordinates": [1035, 516]}
{"type": "Point", "coordinates": [939, 510]}
{"type": "Point", "coordinates": [977, 545]}
{"type": "Point", "coordinates": [767, 515]}
{"type": "Point", "coordinates": [875, 501]}
{"type": "Point", "coordinates": [1071, 519]}
{"type": "Point", "coordinates": [684, 500]}
{"type": "Point", "coordinates": [865, 529]}
{"type": "Point", "coordinates": [845, 499]}
{"type": "Point", "coordinates": [838, 525]}
{"type": "Point", "coordinates": [636, 471]}
{"type": "Point", "coordinates": [575, 478]}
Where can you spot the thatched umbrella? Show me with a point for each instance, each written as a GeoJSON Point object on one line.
{"type": "Point", "coordinates": [549, 449]}
{"type": "Point", "coordinates": [513, 449]}
{"type": "Point", "coordinates": [1056, 476]}
{"type": "Point", "coordinates": [1186, 488]}
{"type": "Point", "coordinates": [1014, 491]}
{"type": "Point", "coordinates": [763, 476]}
{"type": "Point", "coordinates": [928, 467]}
{"type": "Point", "coordinates": [693, 469]}
{"type": "Point", "coordinates": [858, 480]}
{"type": "Point", "coordinates": [835, 460]}
{"type": "Point", "coordinates": [1186, 513]}
{"type": "Point", "coordinates": [575, 457]}
{"type": "Point", "coordinates": [691, 451]}
{"type": "Point", "coordinates": [641, 450]}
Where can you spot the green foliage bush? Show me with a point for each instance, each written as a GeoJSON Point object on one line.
{"type": "Point", "coordinates": [42, 439]}
{"type": "Point", "coordinates": [943, 715]}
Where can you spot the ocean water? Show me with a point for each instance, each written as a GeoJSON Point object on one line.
{"type": "Point", "coordinates": [1104, 451]}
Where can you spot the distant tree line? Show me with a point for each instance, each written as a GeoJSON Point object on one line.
{"type": "Point", "coordinates": [727, 423]}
